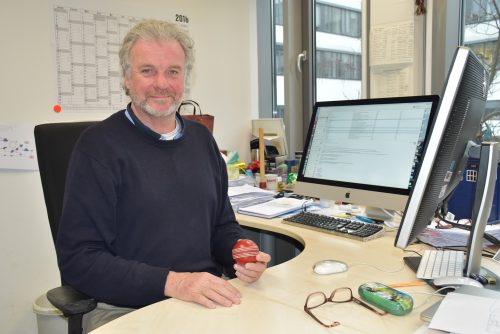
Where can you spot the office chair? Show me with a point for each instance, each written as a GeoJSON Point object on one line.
{"type": "Point", "coordinates": [54, 144]}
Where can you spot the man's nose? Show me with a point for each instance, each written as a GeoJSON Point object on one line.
{"type": "Point", "coordinates": [162, 81]}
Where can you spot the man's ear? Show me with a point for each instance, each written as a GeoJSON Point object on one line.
{"type": "Point", "coordinates": [126, 83]}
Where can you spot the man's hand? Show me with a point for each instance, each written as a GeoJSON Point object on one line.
{"type": "Point", "coordinates": [202, 288]}
{"type": "Point", "coordinates": [251, 272]}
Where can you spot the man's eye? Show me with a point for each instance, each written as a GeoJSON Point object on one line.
{"type": "Point", "coordinates": [147, 71]}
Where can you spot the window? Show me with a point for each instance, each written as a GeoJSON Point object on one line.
{"type": "Point", "coordinates": [485, 50]}
{"type": "Point", "coordinates": [338, 65]}
{"type": "Point", "coordinates": [336, 20]}
{"type": "Point", "coordinates": [471, 175]}
{"type": "Point", "coordinates": [337, 48]}
{"type": "Point", "coordinates": [278, 79]}
{"type": "Point", "coordinates": [478, 11]}
{"type": "Point", "coordinates": [313, 50]}
{"type": "Point", "coordinates": [481, 28]}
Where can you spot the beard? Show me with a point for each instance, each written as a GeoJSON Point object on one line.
{"type": "Point", "coordinates": [143, 106]}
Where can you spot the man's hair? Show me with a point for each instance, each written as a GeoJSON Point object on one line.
{"type": "Point", "coordinates": [155, 30]}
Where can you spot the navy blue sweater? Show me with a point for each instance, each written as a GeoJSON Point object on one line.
{"type": "Point", "coordinates": [136, 207]}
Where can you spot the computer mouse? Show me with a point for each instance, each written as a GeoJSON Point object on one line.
{"type": "Point", "coordinates": [326, 267]}
{"type": "Point", "coordinates": [456, 281]}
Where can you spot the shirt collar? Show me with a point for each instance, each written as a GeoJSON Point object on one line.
{"type": "Point", "coordinates": [134, 120]}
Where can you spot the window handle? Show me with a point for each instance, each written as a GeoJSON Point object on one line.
{"type": "Point", "coordinates": [302, 57]}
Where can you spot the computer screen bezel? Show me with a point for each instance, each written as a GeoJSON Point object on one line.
{"type": "Point", "coordinates": [355, 193]}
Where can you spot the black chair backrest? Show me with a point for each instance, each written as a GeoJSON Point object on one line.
{"type": "Point", "coordinates": [54, 145]}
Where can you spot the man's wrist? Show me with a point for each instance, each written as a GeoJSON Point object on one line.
{"type": "Point", "coordinates": [171, 276]}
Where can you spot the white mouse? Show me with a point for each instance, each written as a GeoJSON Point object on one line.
{"type": "Point", "coordinates": [456, 281]}
{"type": "Point", "coordinates": [326, 267]}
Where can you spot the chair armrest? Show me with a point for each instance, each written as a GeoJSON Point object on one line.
{"type": "Point", "coordinates": [70, 301]}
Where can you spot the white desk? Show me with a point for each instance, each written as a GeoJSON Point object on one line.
{"type": "Point", "coordinates": [275, 303]}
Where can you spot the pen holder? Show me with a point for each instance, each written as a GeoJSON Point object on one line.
{"type": "Point", "coordinates": [271, 182]}
{"type": "Point", "coordinates": [233, 172]}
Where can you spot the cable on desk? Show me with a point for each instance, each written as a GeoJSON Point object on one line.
{"type": "Point", "coordinates": [379, 269]}
{"type": "Point", "coordinates": [412, 251]}
{"type": "Point", "coordinates": [430, 294]}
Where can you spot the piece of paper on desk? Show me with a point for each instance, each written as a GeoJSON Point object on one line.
{"type": "Point", "coordinates": [464, 314]}
{"type": "Point", "coordinates": [453, 237]}
{"type": "Point", "coordinates": [274, 208]}
{"type": "Point", "coordinates": [444, 237]}
{"type": "Point", "coordinates": [246, 189]}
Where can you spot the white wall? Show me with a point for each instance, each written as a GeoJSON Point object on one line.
{"type": "Point", "coordinates": [224, 83]}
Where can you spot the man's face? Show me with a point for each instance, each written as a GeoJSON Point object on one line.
{"type": "Point", "coordinates": [156, 77]}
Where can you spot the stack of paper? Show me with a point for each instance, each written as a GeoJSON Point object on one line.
{"type": "Point", "coordinates": [274, 208]}
{"type": "Point", "coordinates": [246, 195]}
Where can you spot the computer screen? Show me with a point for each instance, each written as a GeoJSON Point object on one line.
{"type": "Point", "coordinates": [367, 151]}
{"type": "Point", "coordinates": [457, 122]}
{"type": "Point", "coordinates": [456, 127]}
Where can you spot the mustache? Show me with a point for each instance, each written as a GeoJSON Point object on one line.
{"type": "Point", "coordinates": [163, 93]}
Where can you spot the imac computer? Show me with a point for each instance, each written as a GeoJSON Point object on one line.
{"type": "Point", "coordinates": [456, 127]}
{"type": "Point", "coordinates": [366, 152]}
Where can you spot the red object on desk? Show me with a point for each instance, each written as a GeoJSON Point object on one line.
{"type": "Point", "coordinates": [245, 251]}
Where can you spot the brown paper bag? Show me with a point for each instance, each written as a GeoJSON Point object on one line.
{"type": "Point", "coordinates": [205, 119]}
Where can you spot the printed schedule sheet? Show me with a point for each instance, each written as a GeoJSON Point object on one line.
{"type": "Point", "coordinates": [87, 43]}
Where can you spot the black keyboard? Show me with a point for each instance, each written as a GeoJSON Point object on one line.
{"type": "Point", "coordinates": [344, 227]}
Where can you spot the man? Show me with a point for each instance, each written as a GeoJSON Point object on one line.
{"type": "Point", "coordinates": [146, 214]}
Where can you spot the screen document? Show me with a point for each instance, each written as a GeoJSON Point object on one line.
{"type": "Point", "coordinates": [369, 144]}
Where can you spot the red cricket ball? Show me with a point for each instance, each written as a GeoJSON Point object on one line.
{"type": "Point", "coordinates": [244, 251]}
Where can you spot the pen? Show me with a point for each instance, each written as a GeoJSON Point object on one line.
{"type": "Point", "coordinates": [375, 220]}
{"type": "Point", "coordinates": [400, 285]}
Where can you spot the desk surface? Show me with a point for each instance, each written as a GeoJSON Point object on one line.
{"type": "Point", "coordinates": [275, 303]}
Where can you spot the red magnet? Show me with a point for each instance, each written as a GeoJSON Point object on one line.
{"type": "Point", "coordinates": [245, 251]}
{"type": "Point", "coordinates": [57, 108]}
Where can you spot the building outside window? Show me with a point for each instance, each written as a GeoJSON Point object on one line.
{"type": "Point", "coordinates": [337, 51]}
{"type": "Point", "coordinates": [481, 27]}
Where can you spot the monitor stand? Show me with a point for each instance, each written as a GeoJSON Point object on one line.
{"type": "Point", "coordinates": [483, 198]}
{"type": "Point", "coordinates": [414, 261]}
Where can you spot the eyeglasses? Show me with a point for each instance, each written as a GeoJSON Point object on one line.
{"type": "Point", "coordinates": [340, 295]}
